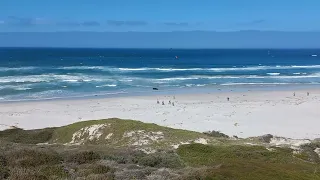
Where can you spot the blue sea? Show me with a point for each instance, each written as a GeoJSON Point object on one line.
{"type": "Point", "coordinates": [42, 73]}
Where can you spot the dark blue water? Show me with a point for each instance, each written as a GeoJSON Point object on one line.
{"type": "Point", "coordinates": [37, 73]}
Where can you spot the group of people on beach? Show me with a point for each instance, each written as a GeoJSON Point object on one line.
{"type": "Point", "coordinates": [294, 93]}
{"type": "Point", "coordinates": [171, 103]}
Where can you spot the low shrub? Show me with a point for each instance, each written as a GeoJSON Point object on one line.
{"type": "Point", "coordinates": [83, 157]}
{"type": "Point", "coordinates": [100, 177]}
{"type": "Point", "coordinates": [168, 160]}
{"type": "Point", "coordinates": [265, 138]}
{"type": "Point", "coordinates": [3, 161]}
{"type": "Point", "coordinates": [163, 174]}
{"type": "Point", "coordinates": [100, 169]}
{"type": "Point", "coordinates": [56, 171]}
{"type": "Point", "coordinates": [4, 172]}
{"type": "Point", "coordinates": [216, 134]}
{"type": "Point", "coordinates": [132, 174]}
{"type": "Point", "coordinates": [125, 156]}
{"type": "Point", "coordinates": [87, 169]}
{"type": "Point", "coordinates": [18, 135]}
{"type": "Point", "coordinates": [32, 158]}
{"type": "Point", "coordinates": [26, 174]}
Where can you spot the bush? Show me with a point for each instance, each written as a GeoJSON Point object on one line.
{"type": "Point", "coordinates": [25, 174]}
{"type": "Point", "coordinates": [27, 136]}
{"type": "Point", "coordinates": [84, 157]}
{"type": "Point", "coordinates": [168, 160]}
{"type": "Point", "coordinates": [100, 169]}
{"type": "Point", "coordinates": [4, 172]}
{"type": "Point", "coordinates": [217, 134]}
{"type": "Point", "coordinates": [125, 157]}
{"type": "Point", "coordinates": [56, 171]}
{"type": "Point", "coordinates": [32, 158]}
{"type": "Point", "coordinates": [100, 177]}
{"type": "Point", "coordinates": [266, 138]}
{"type": "Point", "coordinates": [162, 174]}
{"type": "Point", "coordinates": [86, 170]}
{"type": "Point", "coordinates": [201, 174]}
{"type": "Point", "coordinates": [3, 161]}
{"type": "Point", "coordinates": [132, 174]}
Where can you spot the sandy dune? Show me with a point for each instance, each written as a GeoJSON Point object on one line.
{"type": "Point", "coordinates": [248, 113]}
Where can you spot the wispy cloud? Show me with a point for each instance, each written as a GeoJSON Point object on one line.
{"type": "Point", "coordinates": [90, 23]}
{"type": "Point", "coordinates": [18, 21]}
{"type": "Point", "coordinates": [254, 22]}
{"type": "Point", "coordinates": [126, 23]}
{"type": "Point", "coordinates": [68, 23]}
{"type": "Point", "coordinates": [176, 23]}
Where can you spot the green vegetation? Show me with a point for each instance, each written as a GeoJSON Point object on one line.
{"type": "Point", "coordinates": [84, 157]}
{"type": "Point", "coordinates": [247, 162]}
{"type": "Point", "coordinates": [27, 136]}
{"type": "Point", "coordinates": [216, 134]}
{"type": "Point", "coordinates": [118, 128]}
{"type": "Point", "coordinates": [125, 149]}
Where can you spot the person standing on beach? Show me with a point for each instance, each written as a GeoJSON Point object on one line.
{"type": "Point", "coordinates": [308, 93]}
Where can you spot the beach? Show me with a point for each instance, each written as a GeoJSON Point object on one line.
{"type": "Point", "coordinates": [288, 113]}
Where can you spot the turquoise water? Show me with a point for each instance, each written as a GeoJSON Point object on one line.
{"type": "Point", "coordinates": [40, 73]}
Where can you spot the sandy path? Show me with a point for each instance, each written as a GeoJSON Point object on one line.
{"type": "Point", "coordinates": [246, 114]}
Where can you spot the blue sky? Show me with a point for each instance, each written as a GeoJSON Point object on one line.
{"type": "Point", "coordinates": [158, 15]}
{"type": "Point", "coordinates": [160, 23]}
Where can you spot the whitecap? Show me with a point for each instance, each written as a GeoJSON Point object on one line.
{"type": "Point", "coordinates": [22, 88]}
{"type": "Point", "coordinates": [107, 85]}
{"type": "Point", "coordinates": [70, 80]}
{"type": "Point", "coordinates": [81, 67]}
{"type": "Point", "coordinates": [231, 84]}
{"type": "Point", "coordinates": [18, 68]}
{"type": "Point", "coordinates": [273, 74]}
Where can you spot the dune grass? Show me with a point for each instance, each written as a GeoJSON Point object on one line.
{"type": "Point", "coordinates": [27, 136]}
{"type": "Point", "coordinates": [118, 128]}
{"type": "Point", "coordinates": [248, 163]}
{"type": "Point", "coordinates": [22, 157]}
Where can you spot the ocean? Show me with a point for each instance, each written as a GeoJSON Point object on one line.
{"type": "Point", "coordinates": [45, 73]}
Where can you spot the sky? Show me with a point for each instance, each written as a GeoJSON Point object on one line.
{"type": "Point", "coordinates": [159, 15]}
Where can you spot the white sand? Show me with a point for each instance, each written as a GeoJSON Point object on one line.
{"type": "Point", "coordinates": [246, 114]}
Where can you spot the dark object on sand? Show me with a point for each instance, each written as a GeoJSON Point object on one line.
{"type": "Point", "coordinates": [162, 102]}
{"type": "Point", "coordinates": [158, 102]}
{"type": "Point", "coordinates": [308, 93]}
{"type": "Point", "coordinates": [169, 102]}
{"type": "Point", "coordinates": [172, 103]}
{"type": "Point", "coordinates": [294, 94]}
{"type": "Point", "coordinates": [228, 98]}
{"type": "Point", "coordinates": [155, 88]}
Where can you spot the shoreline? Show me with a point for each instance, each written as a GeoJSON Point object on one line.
{"type": "Point", "coordinates": [248, 113]}
{"type": "Point", "coordinates": [175, 91]}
